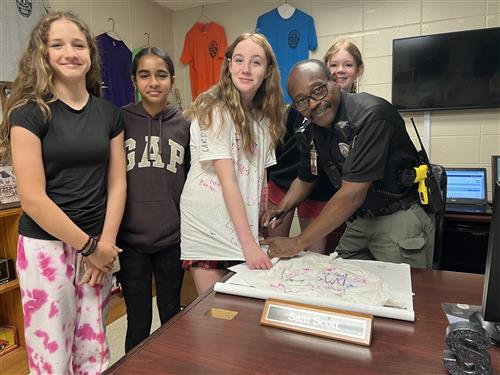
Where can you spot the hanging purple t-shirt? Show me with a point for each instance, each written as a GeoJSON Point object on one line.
{"type": "Point", "coordinates": [116, 61]}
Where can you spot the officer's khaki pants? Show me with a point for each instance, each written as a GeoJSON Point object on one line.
{"type": "Point", "coordinates": [406, 236]}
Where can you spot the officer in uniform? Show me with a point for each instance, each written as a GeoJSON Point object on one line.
{"type": "Point", "coordinates": [360, 142]}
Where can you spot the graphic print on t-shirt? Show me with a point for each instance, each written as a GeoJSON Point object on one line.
{"type": "Point", "coordinates": [293, 38]}
{"type": "Point", "coordinates": [213, 48]}
{"type": "Point", "coordinates": [25, 7]}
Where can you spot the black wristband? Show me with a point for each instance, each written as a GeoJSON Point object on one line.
{"type": "Point", "coordinates": [85, 247]}
{"type": "Point", "coordinates": [91, 248]}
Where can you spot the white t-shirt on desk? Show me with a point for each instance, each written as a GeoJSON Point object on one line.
{"type": "Point", "coordinates": [207, 232]}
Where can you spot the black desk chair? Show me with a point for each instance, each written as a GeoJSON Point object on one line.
{"type": "Point", "coordinates": [440, 175]}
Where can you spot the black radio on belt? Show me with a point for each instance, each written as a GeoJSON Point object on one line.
{"type": "Point", "coordinates": [7, 270]}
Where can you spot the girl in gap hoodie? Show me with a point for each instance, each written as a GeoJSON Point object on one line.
{"type": "Point", "coordinates": [156, 146]}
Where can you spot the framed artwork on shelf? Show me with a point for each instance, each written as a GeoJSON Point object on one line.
{"type": "Point", "coordinates": [495, 172]}
{"type": "Point", "coordinates": [8, 189]}
{"type": "Point", "coordinates": [8, 339]}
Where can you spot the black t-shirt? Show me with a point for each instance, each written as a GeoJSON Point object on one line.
{"type": "Point", "coordinates": [377, 151]}
{"type": "Point", "coordinates": [75, 152]}
{"type": "Point", "coordinates": [288, 156]}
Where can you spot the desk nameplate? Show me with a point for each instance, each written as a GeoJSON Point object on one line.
{"type": "Point", "coordinates": [319, 321]}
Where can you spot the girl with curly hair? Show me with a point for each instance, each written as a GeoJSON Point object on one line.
{"type": "Point", "coordinates": [69, 161]}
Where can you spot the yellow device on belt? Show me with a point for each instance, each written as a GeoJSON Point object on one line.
{"type": "Point", "coordinates": [429, 191]}
{"type": "Point", "coordinates": [421, 174]}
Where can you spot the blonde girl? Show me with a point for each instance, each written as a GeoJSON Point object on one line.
{"type": "Point", "coordinates": [344, 61]}
{"type": "Point", "coordinates": [235, 127]}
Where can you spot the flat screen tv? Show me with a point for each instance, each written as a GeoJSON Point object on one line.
{"type": "Point", "coordinates": [456, 70]}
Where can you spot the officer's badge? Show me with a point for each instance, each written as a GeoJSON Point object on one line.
{"type": "Point", "coordinates": [344, 149]}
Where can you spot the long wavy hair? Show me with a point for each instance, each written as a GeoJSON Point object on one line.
{"type": "Point", "coordinates": [351, 48]}
{"type": "Point", "coordinates": [224, 96]}
{"type": "Point", "coordinates": [34, 79]}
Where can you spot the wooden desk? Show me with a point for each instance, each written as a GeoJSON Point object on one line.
{"type": "Point", "coordinates": [469, 218]}
{"type": "Point", "coordinates": [193, 343]}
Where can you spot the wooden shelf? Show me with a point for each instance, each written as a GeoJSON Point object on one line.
{"type": "Point", "coordinates": [8, 286]}
{"type": "Point", "coordinates": [11, 313]}
{"type": "Point", "coordinates": [14, 362]}
{"type": "Point", "coordinates": [10, 211]}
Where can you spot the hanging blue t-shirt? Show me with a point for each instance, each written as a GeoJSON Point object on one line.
{"type": "Point", "coordinates": [116, 68]}
{"type": "Point", "coordinates": [290, 38]}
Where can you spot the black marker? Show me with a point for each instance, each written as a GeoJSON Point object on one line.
{"type": "Point", "coordinates": [273, 219]}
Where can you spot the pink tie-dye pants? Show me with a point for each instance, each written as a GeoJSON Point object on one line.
{"type": "Point", "coordinates": [64, 324]}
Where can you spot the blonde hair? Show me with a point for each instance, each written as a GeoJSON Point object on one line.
{"type": "Point", "coordinates": [224, 95]}
{"type": "Point", "coordinates": [34, 79]}
{"type": "Point", "coordinates": [351, 48]}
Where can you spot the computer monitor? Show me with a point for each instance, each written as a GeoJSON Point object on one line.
{"type": "Point", "coordinates": [490, 313]}
{"type": "Point", "coordinates": [466, 186]}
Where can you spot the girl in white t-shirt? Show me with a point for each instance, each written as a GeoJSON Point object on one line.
{"type": "Point", "coordinates": [235, 127]}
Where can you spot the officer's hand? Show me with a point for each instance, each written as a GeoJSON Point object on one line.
{"type": "Point", "coordinates": [271, 218]}
{"type": "Point", "coordinates": [281, 247]}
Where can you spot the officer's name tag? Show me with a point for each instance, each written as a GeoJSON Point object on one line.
{"type": "Point", "coordinates": [319, 321]}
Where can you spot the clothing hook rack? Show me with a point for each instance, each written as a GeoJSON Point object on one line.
{"type": "Point", "coordinates": [147, 35]}
{"type": "Point", "coordinates": [112, 33]}
{"type": "Point", "coordinates": [202, 15]}
{"type": "Point", "coordinates": [45, 6]}
{"type": "Point", "coordinates": [112, 23]}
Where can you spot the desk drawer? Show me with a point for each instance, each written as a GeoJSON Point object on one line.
{"type": "Point", "coordinates": [464, 247]}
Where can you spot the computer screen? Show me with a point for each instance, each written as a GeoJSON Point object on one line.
{"type": "Point", "coordinates": [466, 185]}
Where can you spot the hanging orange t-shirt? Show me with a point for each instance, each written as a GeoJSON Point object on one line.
{"type": "Point", "coordinates": [204, 48]}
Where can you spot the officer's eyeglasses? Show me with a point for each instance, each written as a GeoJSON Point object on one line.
{"type": "Point", "coordinates": [317, 93]}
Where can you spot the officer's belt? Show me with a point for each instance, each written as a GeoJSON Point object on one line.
{"type": "Point", "coordinates": [402, 204]}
